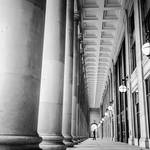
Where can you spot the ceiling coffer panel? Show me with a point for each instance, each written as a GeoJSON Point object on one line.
{"type": "Point", "coordinates": [113, 3]}
{"type": "Point", "coordinates": [90, 34]}
{"type": "Point", "coordinates": [90, 3]}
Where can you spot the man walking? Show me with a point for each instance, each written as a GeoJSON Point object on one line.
{"type": "Point", "coordinates": [94, 135]}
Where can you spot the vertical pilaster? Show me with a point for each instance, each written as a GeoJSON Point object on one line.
{"type": "Point", "coordinates": [21, 46]}
{"type": "Point", "coordinates": [143, 121]}
{"type": "Point", "coordinates": [74, 85]}
{"type": "Point", "coordinates": [128, 70]}
{"type": "Point", "coordinates": [67, 96]}
{"type": "Point", "coordinates": [111, 100]}
{"type": "Point", "coordinates": [111, 126]}
{"type": "Point", "coordinates": [115, 103]}
{"type": "Point", "coordinates": [51, 97]}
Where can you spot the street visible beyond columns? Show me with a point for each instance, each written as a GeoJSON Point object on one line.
{"type": "Point", "coordinates": [99, 144]}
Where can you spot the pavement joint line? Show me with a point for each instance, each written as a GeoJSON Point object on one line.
{"type": "Point", "coordinates": [90, 144]}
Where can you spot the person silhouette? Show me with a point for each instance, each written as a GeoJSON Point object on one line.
{"type": "Point", "coordinates": [94, 135]}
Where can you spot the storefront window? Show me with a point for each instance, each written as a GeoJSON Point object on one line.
{"type": "Point", "coordinates": [145, 7]}
{"type": "Point", "coordinates": [136, 112]}
{"type": "Point", "coordinates": [132, 42]}
{"type": "Point", "coordinates": [148, 100]}
{"type": "Point", "coordinates": [121, 98]}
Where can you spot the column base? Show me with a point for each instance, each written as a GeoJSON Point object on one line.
{"type": "Point", "coordinates": [144, 142]}
{"type": "Point", "coordinates": [131, 141]}
{"type": "Point", "coordinates": [19, 142]}
{"type": "Point", "coordinates": [68, 141]}
{"type": "Point", "coordinates": [52, 143]}
{"type": "Point", "coordinates": [75, 140]}
{"type": "Point", "coordinates": [136, 141]}
{"type": "Point", "coordinates": [114, 139]}
{"type": "Point", "coordinates": [81, 139]}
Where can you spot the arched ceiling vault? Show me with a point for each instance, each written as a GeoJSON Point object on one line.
{"type": "Point", "coordinates": [100, 21]}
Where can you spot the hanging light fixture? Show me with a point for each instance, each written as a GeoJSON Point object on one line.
{"type": "Point", "coordinates": [103, 119]}
{"type": "Point", "coordinates": [110, 108]}
{"type": "Point", "coordinates": [146, 49]}
{"type": "Point", "coordinates": [122, 87]}
{"type": "Point", "coordinates": [146, 46]}
{"type": "Point", "coordinates": [106, 114]}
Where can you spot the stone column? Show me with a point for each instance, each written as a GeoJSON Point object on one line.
{"type": "Point", "coordinates": [142, 99]}
{"type": "Point", "coordinates": [21, 46]}
{"type": "Point", "coordinates": [74, 86]}
{"type": "Point", "coordinates": [51, 97]}
{"type": "Point", "coordinates": [67, 98]}
{"type": "Point", "coordinates": [77, 121]}
{"type": "Point", "coordinates": [78, 83]}
{"type": "Point", "coordinates": [79, 91]}
{"type": "Point", "coordinates": [79, 124]}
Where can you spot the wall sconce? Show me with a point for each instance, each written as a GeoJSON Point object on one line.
{"type": "Point", "coordinates": [103, 119]}
{"type": "Point", "coordinates": [123, 88]}
{"type": "Point", "coordinates": [109, 111]}
{"type": "Point", "coordinates": [110, 108]}
{"type": "Point", "coordinates": [146, 49]}
{"type": "Point", "coordinates": [146, 46]}
{"type": "Point", "coordinates": [106, 114]}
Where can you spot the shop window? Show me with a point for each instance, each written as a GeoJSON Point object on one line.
{"type": "Point", "coordinates": [148, 100]}
{"type": "Point", "coordinates": [121, 98]}
{"type": "Point", "coordinates": [136, 113]}
{"type": "Point", "coordinates": [132, 42]}
{"type": "Point", "coordinates": [145, 7]}
{"type": "Point", "coordinates": [133, 56]}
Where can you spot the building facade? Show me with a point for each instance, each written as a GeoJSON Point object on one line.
{"type": "Point", "coordinates": [129, 119]}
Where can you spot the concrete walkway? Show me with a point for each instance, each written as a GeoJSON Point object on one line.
{"type": "Point", "coordinates": [103, 145]}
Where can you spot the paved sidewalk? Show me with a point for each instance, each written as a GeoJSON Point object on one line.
{"type": "Point", "coordinates": [103, 145]}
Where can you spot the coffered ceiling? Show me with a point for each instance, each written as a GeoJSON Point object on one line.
{"type": "Point", "coordinates": [100, 24]}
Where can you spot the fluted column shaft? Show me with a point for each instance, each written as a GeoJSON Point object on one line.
{"type": "Point", "coordinates": [51, 98]}
{"type": "Point", "coordinates": [67, 98]}
{"type": "Point", "coordinates": [21, 46]}
{"type": "Point", "coordinates": [74, 86]}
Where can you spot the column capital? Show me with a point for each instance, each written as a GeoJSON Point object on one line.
{"type": "Point", "coordinates": [76, 16]}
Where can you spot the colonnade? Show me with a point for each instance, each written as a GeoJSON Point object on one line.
{"type": "Point", "coordinates": [40, 66]}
